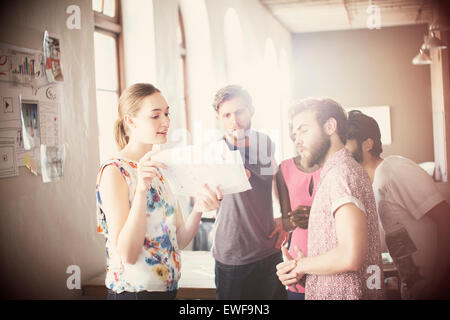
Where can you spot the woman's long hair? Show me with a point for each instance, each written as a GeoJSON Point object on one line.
{"type": "Point", "coordinates": [130, 103]}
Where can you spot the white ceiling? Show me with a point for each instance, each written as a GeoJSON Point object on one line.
{"type": "Point", "coordinates": [300, 16]}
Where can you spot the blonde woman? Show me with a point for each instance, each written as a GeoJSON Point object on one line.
{"type": "Point", "coordinates": [137, 212]}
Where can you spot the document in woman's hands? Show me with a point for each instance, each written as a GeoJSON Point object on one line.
{"type": "Point", "coordinates": [190, 167]}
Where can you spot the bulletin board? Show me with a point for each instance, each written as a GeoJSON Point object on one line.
{"type": "Point", "coordinates": [30, 132]}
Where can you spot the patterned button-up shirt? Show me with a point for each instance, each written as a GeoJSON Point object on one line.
{"type": "Point", "coordinates": [344, 181]}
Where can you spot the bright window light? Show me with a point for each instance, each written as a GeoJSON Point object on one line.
{"type": "Point", "coordinates": [234, 47]}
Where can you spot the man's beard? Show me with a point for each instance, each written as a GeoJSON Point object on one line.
{"type": "Point", "coordinates": [318, 151]}
{"type": "Point", "coordinates": [242, 135]}
{"type": "Point", "coordinates": [357, 154]}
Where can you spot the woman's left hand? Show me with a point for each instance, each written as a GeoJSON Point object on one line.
{"type": "Point", "coordinates": [209, 200]}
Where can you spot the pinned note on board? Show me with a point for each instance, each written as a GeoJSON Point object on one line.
{"type": "Point", "coordinates": [52, 159]}
{"type": "Point", "coordinates": [52, 53]}
{"type": "Point", "coordinates": [30, 163]}
{"type": "Point", "coordinates": [8, 164]}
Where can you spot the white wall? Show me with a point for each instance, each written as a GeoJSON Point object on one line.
{"type": "Point", "coordinates": [372, 68]}
{"type": "Point", "coordinates": [44, 228]}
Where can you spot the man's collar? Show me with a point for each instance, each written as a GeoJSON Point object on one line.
{"type": "Point", "coordinates": [249, 134]}
{"type": "Point", "coordinates": [333, 160]}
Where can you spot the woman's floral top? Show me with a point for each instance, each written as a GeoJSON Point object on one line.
{"type": "Point", "coordinates": [158, 265]}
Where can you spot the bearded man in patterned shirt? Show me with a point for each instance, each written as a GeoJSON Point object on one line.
{"type": "Point", "coordinates": [344, 247]}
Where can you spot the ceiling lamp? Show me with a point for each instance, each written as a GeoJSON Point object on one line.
{"type": "Point", "coordinates": [422, 58]}
{"type": "Point", "coordinates": [439, 24]}
{"type": "Point", "coordinates": [433, 42]}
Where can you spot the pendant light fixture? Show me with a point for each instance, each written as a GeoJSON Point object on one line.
{"type": "Point", "coordinates": [422, 58]}
{"type": "Point", "coordinates": [433, 42]}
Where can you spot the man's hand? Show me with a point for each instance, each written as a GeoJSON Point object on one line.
{"type": "Point", "coordinates": [283, 236]}
{"type": "Point", "coordinates": [288, 264]}
{"type": "Point", "coordinates": [300, 217]}
{"type": "Point", "coordinates": [289, 271]}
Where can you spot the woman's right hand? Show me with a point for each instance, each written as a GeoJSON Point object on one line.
{"type": "Point", "coordinates": [147, 170]}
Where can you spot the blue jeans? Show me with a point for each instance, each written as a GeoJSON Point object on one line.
{"type": "Point", "coordinates": [142, 295]}
{"type": "Point", "coordinates": [254, 281]}
{"type": "Point", "coordinates": [295, 295]}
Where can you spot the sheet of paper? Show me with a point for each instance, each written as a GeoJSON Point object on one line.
{"type": "Point", "coordinates": [8, 160]}
{"type": "Point", "coordinates": [49, 100]}
{"type": "Point", "coordinates": [52, 158]}
{"type": "Point", "coordinates": [30, 124]}
{"type": "Point", "coordinates": [189, 168]}
{"type": "Point", "coordinates": [52, 52]}
{"type": "Point", "coordinates": [9, 97]}
{"type": "Point", "coordinates": [12, 130]}
{"type": "Point", "coordinates": [30, 164]}
{"type": "Point", "coordinates": [49, 123]}
{"type": "Point", "coordinates": [22, 66]}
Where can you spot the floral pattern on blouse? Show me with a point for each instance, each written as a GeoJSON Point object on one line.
{"type": "Point", "coordinates": [158, 265]}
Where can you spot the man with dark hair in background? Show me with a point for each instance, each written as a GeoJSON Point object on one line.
{"type": "Point", "coordinates": [414, 215]}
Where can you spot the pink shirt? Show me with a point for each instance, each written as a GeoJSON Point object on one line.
{"type": "Point", "coordinates": [297, 183]}
{"type": "Point", "coordinates": [342, 181]}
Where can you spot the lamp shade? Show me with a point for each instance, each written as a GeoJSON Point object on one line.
{"type": "Point", "coordinates": [421, 59]}
{"type": "Point", "coordinates": [433, 42]}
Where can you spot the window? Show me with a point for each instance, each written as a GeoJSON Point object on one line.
{"type": "Point", "coordinates": [108, 70]}
{"type": "Point", "coordinates": [288, 148]}
{"type": "Point", "coordinates": [234, 47]}
{"type": "Point", "coordinates": [198, 77]}
{"type": "Point", "coordinates": [105, 7]}
{"type": "Point", "coordinates": [182, 69]}
{"type": "Point", "coordinates": [267, 97]}
{"type": "Point", "coordinates": [194, 74]}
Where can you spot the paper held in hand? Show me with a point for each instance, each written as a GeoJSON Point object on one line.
{"type": "Point", "coordinates": [190, 167]}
